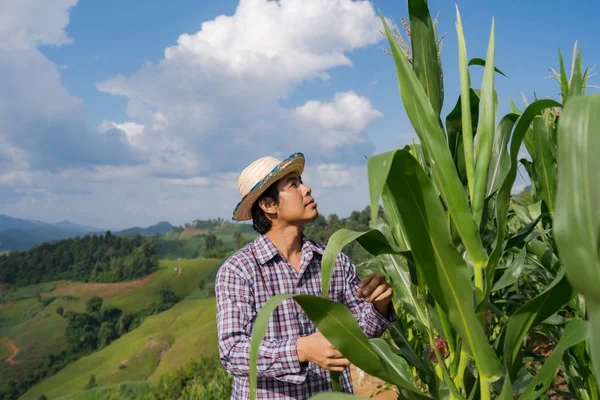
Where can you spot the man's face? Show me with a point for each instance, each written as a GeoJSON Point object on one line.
{"type": "Point", "coordinates": [296, 204]}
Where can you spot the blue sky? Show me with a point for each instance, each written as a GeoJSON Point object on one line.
{"type": "Point", "coordinates": [127, 113]}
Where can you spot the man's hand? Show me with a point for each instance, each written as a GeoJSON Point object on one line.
{"type": "Point", "coordinates": [318, 350]}
{"type": "Point", "coordinates": [375, 289]}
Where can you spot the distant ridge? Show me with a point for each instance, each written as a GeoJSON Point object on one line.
{"type": "Point", "coordinates": [161, 227]}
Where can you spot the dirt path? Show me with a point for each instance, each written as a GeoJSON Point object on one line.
{"type": "Point", "coordinates": [367, 386]}
{"type": "Point", "coordinates": [178, 272]}
{"type": "Point", "coordinates": [15, 351]}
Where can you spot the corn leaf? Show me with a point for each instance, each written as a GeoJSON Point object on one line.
{"type": "Point", "coordinates": [396, 362]}
{"type": "Point", "coordinates": [545, 256]}
{"type": "Point", "coordinates": [512, 272]}
{"type": "Point", "coordinates": [485, 131]}
{"type": "Point", "coordinates": [545, 162]}
{"type": "Point", "coordinates": [373, 241]}
{"type": "Point", "coordinates": [403, 289]}
{"type": "Point", "coordinates": [577, 215]}
{"type": "Point", "coordinates": [427, 126]}
{"type": "Point", "coordinates": [481, 63]}
{"type": "Point", "coordinates": [500, 161]}
{"type": "Point", "coordinates": [577, 219]}
{"type": "Point", "coordinates": [576, 331]}
{"type": "Point", "coordinates": [339, 326]}
{"type": "Point", "coordinates": [503, 199]}
{"type": "Point", "coordinates": [425, 60]}
{"type": "Point", "coordinates": [577, 86]}
{"type": "Point", "coordinates": [454, 128]}
{"type": "Point", "coordinates": [444, 270]}
{"type": "Point", "coordinates": [466, 104]}
{"type": "Point", "coordinates": [399, 337]}
{"type": "Point", "coordinates": [564, 81]}
{"type": "Point", "coordinates": [531, 314]}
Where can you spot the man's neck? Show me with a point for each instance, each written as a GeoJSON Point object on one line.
{"type": "Point", "coordinates": [288, 240]}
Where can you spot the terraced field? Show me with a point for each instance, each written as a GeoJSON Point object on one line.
{"type": "Point", "coordinates": [162, 343]}
{"type": "Point", "coordinates": [37, 330]}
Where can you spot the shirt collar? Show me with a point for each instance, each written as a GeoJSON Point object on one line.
{"type": "Point", "coordinates": [265, 250]}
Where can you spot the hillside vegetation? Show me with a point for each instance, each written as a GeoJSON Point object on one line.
{"type": "Point", "coordinates": [162, 343]}
{"type": "Point", "coordinates": [93, 258]}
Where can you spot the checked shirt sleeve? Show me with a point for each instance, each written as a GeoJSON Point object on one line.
{"type": "Point", "coordinates": [235, 315]}
{"type": "Point", "coordinates": [370, 320]}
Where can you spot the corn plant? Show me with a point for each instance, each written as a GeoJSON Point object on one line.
{"type": "Point", "coordinates": [454, 242]}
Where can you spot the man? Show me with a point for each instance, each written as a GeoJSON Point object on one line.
{"type": "Point", "coordinates": [294, 360]}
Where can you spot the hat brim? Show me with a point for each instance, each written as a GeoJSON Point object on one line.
{"type": "Point", "coordinates": [293, 163]}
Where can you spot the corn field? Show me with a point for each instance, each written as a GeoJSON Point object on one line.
{"type": "Point", "coordinates": [497, 295]}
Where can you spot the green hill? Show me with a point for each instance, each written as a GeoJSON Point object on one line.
{"type": "Point", "coordinates": [162, 343]}
{"type": "Point", "coordinates": [31, 312]}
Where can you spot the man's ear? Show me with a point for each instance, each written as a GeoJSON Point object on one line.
{"type": "Point", "coordinates": [268, 205]}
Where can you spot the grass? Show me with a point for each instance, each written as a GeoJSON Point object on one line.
{"type": "Point", "coordinates": [37, 330]}
{"type": "Point", "coordinates": [122, 391]}
{"type": "Point", "coordinates": [162, 343]}
{"type": "Point", "coordinates": [192, 272]}
{"type": "Point", "coordinates": [191, 232]}
{"type": "Point", "coordinates": [25, 292]}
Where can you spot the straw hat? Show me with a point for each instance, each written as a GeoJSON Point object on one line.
{"type": "Point", "coordinates": [258, 176]}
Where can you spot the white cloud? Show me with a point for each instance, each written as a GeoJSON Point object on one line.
{"type": "Point", "coordinates": [334, 175]}
{"type": "Point", "coordinates": [219, 88]}
{"type": "Point", "coordinates": [195, 117]}
{"type": "Point", "coordinates": [25, 24]}
{"type": "Point", "coordinates": [338, 123]}
{"type": "Point", "coordinates": [40, 119]}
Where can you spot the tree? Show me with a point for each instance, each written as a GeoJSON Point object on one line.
{"type": "Point", "coordinates": [91, 383]}
{"type": "Point", "coordinates": [210, 242]}
{"type": "Point", "coordinates": [94, 304]}
{"type": "Point", "coordinates": [60, 310]}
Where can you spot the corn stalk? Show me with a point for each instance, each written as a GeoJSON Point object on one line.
{"type": "Point", "coordinates": [453, 243]}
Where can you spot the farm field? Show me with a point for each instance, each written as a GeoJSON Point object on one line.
{"type": "Point", "coordinates": [163, 342]}
{"type": "Point", "coordinates": [26, 320]}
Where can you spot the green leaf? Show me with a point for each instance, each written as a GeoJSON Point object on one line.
{"type": "Point", "coordinates": [454, 128]}
{"type": "Point", "coordinates": [425, 60]}
{"type": "Point", "coordinates": [395, 362]}
{"type": "Point", "coordinates": [485, 131]}
{"type": "Point", "coordinates": [373, 241]}
{"type": "Point", "coordinates": [545, 162]}
{"type": "Point", "coordinates": [512, 272]}
{"type": "Point", "coordinates": [564, 81]}
{"type": "Point", "coordinates": [500, 161]}
{"type": "Point", "coordinates": [545, 256]}
{"type": "Point", "coordinates": [432, 137]}
{"type": "Point", "coordinates": [577, 218]}
{"type": "Point", "coordinates": [399, 336]}
{"type": "Point", "coordinates": [531, 314]}
{"type": "Point", "coordinates": [445, 271]}
{"type": "Point", "coordinates": [504, 194]}
{"type": "Point", "coordinates": [518, 238]}
{"type": "Point", "coordinates": [506, 393]}
{"type": "Point", "coordinates": [577, 215]}
{"type": "Point", "coordinates": [576, 331]}
{"type": "Point", "coordinates": [402, 286]}
{"type": "Point", "coordinates": [577, 86]}
{"type": "Point", "coordinates": [339, 326]}
{"type": "Point", "coordinates": [481, 62]}
{"type": "Point", "coordinates": [466, 103]}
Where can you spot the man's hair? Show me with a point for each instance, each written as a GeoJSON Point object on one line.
{"type": "Point", "coordinates": [260, 222]}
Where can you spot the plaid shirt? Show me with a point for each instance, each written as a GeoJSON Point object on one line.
{"type": "Point", "coordinates": [246, 281]}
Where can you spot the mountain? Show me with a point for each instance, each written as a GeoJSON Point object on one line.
{"type": "Point", "coordinates": [71, 227]}
{"type": "Point", "coordinates": [161, 227]}
{"type": "Point", "coordinates": [22, 234]}
{"type": "Point", "coordinates": [23, 239]}
{"type": "Point", "coordinates": [7, 222]}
